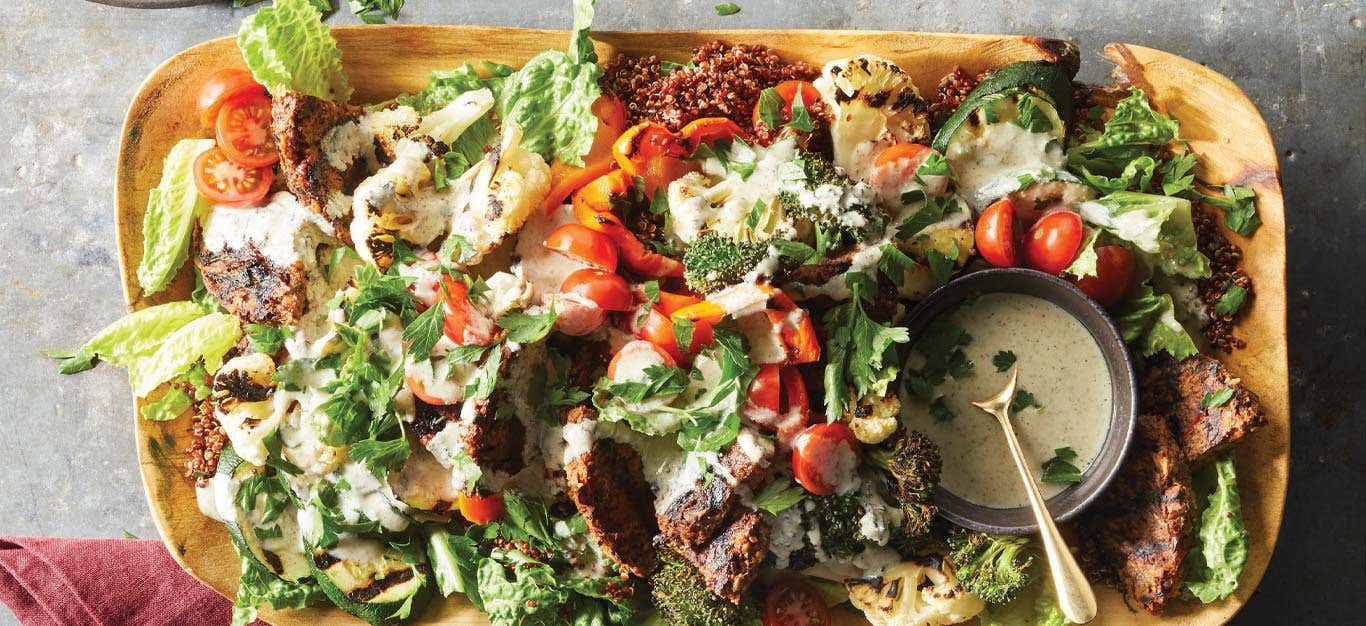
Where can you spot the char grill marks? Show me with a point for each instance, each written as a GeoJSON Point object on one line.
{"type": "Point", "coordinates": [252, 287]}
{"type": "Point", "coordinates": [1176, 392]}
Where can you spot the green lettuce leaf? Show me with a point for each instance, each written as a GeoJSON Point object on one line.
{"type": "Point", "coordinates": [132, 337]}
{"type": "Point", "coordinates": [1135, 131]}
{"type": "Point", "coordinates": [1147, 320]}
{"type": "Point", "coordinates": [551, 97]}
{"type": "Point", "coordinates": [1159, 229]}
{"type": "Point", "coordinates": [1213, 569]}
{"type": "Point", "coordinates": [207, 338]}
{"type": "Point", "coordinates": [1036, 605]}
{"type": "Point", "coordinates": [288, 48]}
{"type": "Point", "coordinates": [172, 208]}
{"type": "Point", "coordinates": [168, 407]}
{"type": "Point", "coordinates": [1085, 263]}
{"type": "Point", "coordinates": [444, 86]}
{"type": "Point", "coordinates": [259, 586]}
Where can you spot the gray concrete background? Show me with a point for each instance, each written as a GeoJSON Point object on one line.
{"type": "Point", "coordinates": [69, 69]}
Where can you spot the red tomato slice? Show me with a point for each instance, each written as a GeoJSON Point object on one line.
{"type": "Point", "coordinates": [996, 234]}
{"type": "Point", "coordinates": [582, 243]}
{"type": "Point", "coordinates": [481, 509]}
{"type": "Point", "coordinates": [219, 88]}
{"type": "Point", "coordinates": [1052, 243]}
{"type": "Point", "coordinates": [795, 603]}
{"type": "Point", "coordinates": [709, 130]}
{"type": "Point", "coordinates": [788, 90]}
{"type": "Point", "coordinates": [763, 399]}
{"type": "Point", "coordinates": [609, 291]}
{"type": "Point", "coordinates": [1114, 276]}
{"type": "Point", "coordinates": [634, 357]}
{"type": "Point", "coordinates": [577, 316]}
{"type": "Point", "coordinates": [223, 182]}
{"type": "Point", "coordinates": [415, 386]}
{"type": "Point", "coordinates": [464, 324]}
{"type": "Point", "coordinates": [659, 330]}
{"type": "Point", "coordinates": [244, 130]}
{"type": "Point", "coordinates": [824, 456]}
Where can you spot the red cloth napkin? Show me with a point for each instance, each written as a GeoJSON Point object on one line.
{"type": "Point", "coordinates": [105, 582]}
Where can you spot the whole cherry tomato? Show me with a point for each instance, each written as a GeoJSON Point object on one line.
{"type": "Point", "coordinates": [1052, 243]}
{"type": "Point", "coordinates": [609, 291]}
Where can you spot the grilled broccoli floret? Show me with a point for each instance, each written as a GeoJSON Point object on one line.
{"type": "Point", "coordinates": [714, 261]}
{"type": "Point", "coordinates": [914, 463]}
{"type": "Point", "coordinates": [837, 518]}
{"type": "Point", "coordinates": [995, 567]}
{"type": "Point", "coordinates": [832, 207]}
{"type": "Point", "coordinates": [682, 597]}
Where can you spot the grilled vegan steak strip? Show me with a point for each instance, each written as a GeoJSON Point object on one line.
{"type": "Point", "coordinates": [1177, 392]}
{"type": "Point", "coordinates": [607, 485]}
{"type": "Point", "coordinates": [252, 287]}
{"type": "Point", "coordinates": [300, 122]}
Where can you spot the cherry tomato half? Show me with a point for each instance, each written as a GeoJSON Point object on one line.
{"type": "Point", "coordinates": [1052, 243]}
{"type": "Point", "coordinates": [415, 385]}
{"type": "Point", "coordinates": [223, 182]}
{"type": "Point", "coordinates": [1114, 276]}
{"type": "Point", "coordinates": [632, 359]}
{"type": "Point", "coordinates": [763, 399]}
{"type": "Point", "coordinates": [995, 234]}
{"type": "Point", "coordinates": [219, 88]}
{"type": "Point", "coordinates": [824, 455]}
{"type": "Point", "coordinates": [244, 130]}
{"type": "Point", "coordinates": [582, 243]}
{"type": "Point", "coordinates": [464, 324]}
{"type": "Point", "coordinates": [577, 315]}
{"type": "Point", "coordinates": [788, 90]}
{"type": "Point", "coordinates": [658, 329]}
{"type": "Point", "coordinates": [795, 603]}
{"type": "Point", "coordinates": [609, 291]}
{"type": "Point", "coordinates": [480, 509]}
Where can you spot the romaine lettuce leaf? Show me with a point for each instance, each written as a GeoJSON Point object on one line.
{"type": "Point", "coordinates": [288, 48]}
{"type": "Point", "coordinates": [172, 208]}
{"type": "Point", "coordinates": [1036, 605]}
{"type": "Point", "coordinates": [1147, 321]}
{"type": "Point", "coordinates": [443, 86]}
{"type": "Point", "coordinates": [1213, 569]}
{"type": "Point", "coordinates": [134, 336]}
{"type": "Point", "coordinates": [259, 586]}
{"type": "Point", "coordinates": [1135, 131]}
{"type": "Point", "coordinates": [207, 338]}
{"type": "Point", "coordinates": [168, 407]}
{"type": "Point", "coordinates": [1159, 229]}
{"type": "Point", "coordinates": [551, 97]}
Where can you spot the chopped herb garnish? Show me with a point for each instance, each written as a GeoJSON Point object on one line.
{"type": "Point", "coordinates": [1232, 300]}
{"type": "Point", "coordinates": [1024, 400]}
{"type": "Point", "coordinates": [801, 119]}
{"type": "Point", "coordinates": [423, 332]}
{"type": "Point", "coordinates": [895, 265]}
{"type": "Point", "coordinates": [1003, 360]}
{"type": "Point", "coordinates": [771, 108]}
{"type": "Point", "coordinates": [941, 412]}
{"type": "Point", "coordinates": [941, 264]}
{"type": "Point", "coordinates": [526, 328]}
{"type": "Point", "coordinates": [1216, 399]}
{"type": "Point", "coordinates": [779, 496]}
{"type": "Point", "coordinates": [727, 8]}
{"type": "Point", "coordinates": [1060, 468]}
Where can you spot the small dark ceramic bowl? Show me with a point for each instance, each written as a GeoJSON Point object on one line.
{"type": "Point", "coordinates": [1076, 497]}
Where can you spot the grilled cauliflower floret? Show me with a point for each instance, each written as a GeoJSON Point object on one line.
{"type": "Point", "coordinates": [874, 418]}
{"type": "Point", "coordinates": [243, 393]}
{"type": "Point", "coordinates": [920, 592]}
{"type": "Point", "coordinates": [398, 203]}
{"type": "Point", "coordinates": [449, 122]}
{"type": "Point", "coordinates": [952, 235]}
{"type": "Point", "coordinates": [493, 199]}
{"type": "Point", "coordinates": [875, 105]}
{"type": "Point", "coordinates": [373, 139]}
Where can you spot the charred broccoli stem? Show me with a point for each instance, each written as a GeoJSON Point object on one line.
{"type": "Point", "coordinates": [914, 464]}
{"type": "Point", "coordinates": [714, 261]}
{"type": "Point", "coordinates": [682, 597]}
{"type": "Point", "coordinates": [995, 567]}
{"type": "Point", "coordinates": [837, 518]}
{"type": "Point", "coordinates": [839, 211]}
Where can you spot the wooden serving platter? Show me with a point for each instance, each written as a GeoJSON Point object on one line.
{"type": "Point", "coordinates": [1222, 125]}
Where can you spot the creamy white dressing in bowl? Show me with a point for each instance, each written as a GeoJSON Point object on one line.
{"type": "Point", "coordinates": [1072, 361]}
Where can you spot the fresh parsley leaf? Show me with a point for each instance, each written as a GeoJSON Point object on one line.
{"type": "Point", "coordinates": [659, 380]}
{"type": "Point", "coordinates": [683, 333]}
{"type": "Point", "coordinates": [1239, 205]}
{"type": "Point", "coordinates": [458, 251]}
{"type": "Point", "coordinates": [525, 328]}
{"type": "Point", "coordinates": [423, 333]}
{"type": "Point", "coordinates": [801, 119]}
{"type": "Point", "coordinates": [756, 213]}
{"type": "Point", "coordinates": [71, 361]}
{"type": "Point", "coordinates": [778, 496]}
{"type": "Point", "coordinates": [1031, 117]}
{"type": "Point", "coordinates": [1176, 176]}
{"type": "Point", "coordinates": [860, 353]}
{"type": "Point", "coordinates": [934, 210]}
{"type": "Point", "coordinates": [1216, 399]}
{"type": "Point", "coordinates": [1060, 469]}
{"type": "Point", "coordinates": [267, 339]}
{"type": "Point", "coordinates": [374, 11]}
{"type": "Point", "coordinates": [1003, 360]}
{"type": "Point", "coordinates": [651, 290]}
{"type": "Point", "coordinates": [1232, 300]}
{"type": "Point", "coordinates": [959, 364]}
{"type": "Point", "coordinates": [709, 434]}
{"type": "Point", "coordinates": [895, 265]}
{"type": "Point", "coordinates": [941, 411]}
{"type": "Point", "coordinates": [168, 407]}
{"type": "Point", "coordinates": [381, 456]}
{"type": "Point", "coordinates": [802, 253]}
{"type": "Point", "coordinates": [485, 378]}
{"type": "Point", "coordinates": [771, 108]}
{"type": "Point", "coordinates": [1024, 400]}
{"type": "Point", "coordinates": [466, 354]}
{"type": "Point", "coordinates": [727, 8]}
{"type": "Point", "coordinates": [941, 265]}
{"type": "Point", "coordinates": [529, 516]}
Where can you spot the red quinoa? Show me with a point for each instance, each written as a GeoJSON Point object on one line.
{"type": "Point", "coordinates": [206, 443]}
{"type": "Point", "coordinates": [720, 81]}
{"type": "Point", "coordinates": [1224, 258]}
{"type": "Point", "coordinates": [953, 90]}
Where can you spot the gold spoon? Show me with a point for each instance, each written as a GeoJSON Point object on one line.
{"type": "Point", "coordinates": [1075, 597]}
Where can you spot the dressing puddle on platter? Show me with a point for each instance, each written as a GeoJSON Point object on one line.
{"type": "Point", "coordinates": [1064, 399]}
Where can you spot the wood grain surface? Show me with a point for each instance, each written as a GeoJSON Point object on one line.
{"type": "Point", "coordinates": [1222, 125]}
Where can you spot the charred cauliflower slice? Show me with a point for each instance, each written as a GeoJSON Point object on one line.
{"type": "Point", "coordinates": [919, 592]}
{"type": "Point", "coordinates": [398, 202]}
{"type": "Point", "coordinates": [494, 198]}
{"type": "Point", "coordinates": [243, 394]}
{"type": "Point", "coordinates": [875, 105]}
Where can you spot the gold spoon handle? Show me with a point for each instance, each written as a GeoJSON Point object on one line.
{"type": "Point", "coordinates": [1075, 597]}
